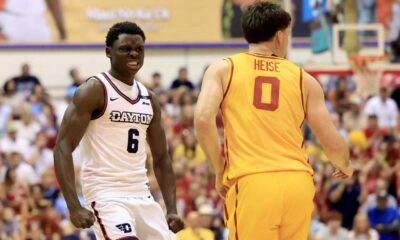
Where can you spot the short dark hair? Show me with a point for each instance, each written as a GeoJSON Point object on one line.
{"type": "Point", "coordinates": [121, 28]}
{"type": "Point", "coordinates": [156, 74]}
{"type": "Point", "coordinates": [262, 20]}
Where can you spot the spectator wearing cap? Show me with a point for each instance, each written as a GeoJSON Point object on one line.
{"type": "Point", "coordinates": [207, 214]}
{"type": "Point", "coordinates": [334, 230]}
{"type": "Point", "coordinates": [372, 200]}
{"type": "Point", "coordinates": [384, 108]}
{"type": "Point", "coordinates": [12, 142]}
{"type": "Point", "coordinates": [384, 218]}
{"type": "Point", "coordinates": [354, 119]}
{"type": "Point", "coordinates": [194, 230]}
{"type": "Point", "coordinates": [210, 220]}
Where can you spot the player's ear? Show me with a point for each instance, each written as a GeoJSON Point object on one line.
{"type": "Point", "coordinates": [108, 52]}
{"type": "Point", "coordinates": [279, 36]}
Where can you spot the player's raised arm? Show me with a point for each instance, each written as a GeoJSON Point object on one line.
{"type": "Point", "coordinates": [322, 126]}
{"type": "Point", "coordinates": [162, 166]}
{"type": "Point", "coordinates": [87, 99]}
{"type": "Point", "coordinates": [210, 98]}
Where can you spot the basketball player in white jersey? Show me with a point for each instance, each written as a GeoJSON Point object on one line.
{"type": "Point", "coordinates": [112, 116]}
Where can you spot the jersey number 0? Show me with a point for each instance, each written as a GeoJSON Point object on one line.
{"type": "Point", "coordinates": [258, 92]}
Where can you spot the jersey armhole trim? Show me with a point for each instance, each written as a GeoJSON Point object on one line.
{"type": "Point", "coordinates": [302, 90]}
{"type": "Point", "coordinates": [105, 98]}
{"type": "Point", "coordinates": [231, 67]}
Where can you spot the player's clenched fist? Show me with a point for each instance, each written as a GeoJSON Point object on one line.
{"type": "Point", "coordinates": [81, 217]}
{"type": "Point", "coordinates": [175, 223]}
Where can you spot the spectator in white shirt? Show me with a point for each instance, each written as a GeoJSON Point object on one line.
{"type": "Point", "coordinates": [24, 172]}
{"type": "Point", "coordinates": [384, 107]}
{"type": "Point", "coordinates": [12, 142]}
{"type": "Point", "coordinates": [334, 230]}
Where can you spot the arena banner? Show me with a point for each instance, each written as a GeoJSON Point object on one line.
{"type": "Point", "coordinates": [87, 21]}
{"type": "Point", "coordinates": [162, 21]}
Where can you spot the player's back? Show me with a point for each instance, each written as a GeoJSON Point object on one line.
{"type": "Point", "coordinates": [263, 112]}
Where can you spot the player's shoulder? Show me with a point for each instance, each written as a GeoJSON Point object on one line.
{"type": "Point", "coordinates": [91, 91]}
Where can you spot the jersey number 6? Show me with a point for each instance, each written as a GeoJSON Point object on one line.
{"type": "Point", "coordinates": [258, 91]}
{"type": "Point", "coordinates": [133, 143]}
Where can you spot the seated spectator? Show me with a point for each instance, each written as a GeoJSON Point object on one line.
{"type": "Point", "coordinates": [384, 218]}
{"type": "Point", "coordinates": [335, 117]}
{"type": "Point", "coordinates": [5, 115]}
{"type": "Point", "coordinates": [193, 230]}
{"type": "Point", "coordinates": [12, 98]}
{"type": "Point", "coordinates": [345, 198]}
{"type": "Point", "coordinates": [384, 108]}
{"type": "Point", "coordinates": [185, 121]}
{"type": "Point", "coordinates": [41, 157]}
{"type": "Point", "coordinates": [50, 192]}
{"type": "Point", "coordinates": [49, 220]}
{"type": "Point", "coordinates": [333, 231]}
{"type": "Point", "coordinates": [361, 229]}
{"type": "Point", "coordinates": [316, 226]}
{"type": "Point", "coordinates": [24, 172]}
{"type": "Point", "coordinates": [155, 84]}
{"type": "Point", "coordinates": [372, 199]}
{"type": "Point", "coordinates": [38, 100]}
{"type": "Point", "coordinates": [76, 79]}
{"type": "Point", "coordinates": [189, 150]}
{"type": "Point", "coordinates": [354, 119]}
{"type": "Point", "coordinates": [12, 142]}
{"type": "Point", "coordinates": [10, 228]}
{"type": "Point", "coordinates": [16, 193]}
{"type": "Point", "coordinates": [182, 80]}
{"type": "Point", "coordinates": [339, 97]}
{"type": "Point", "coordinates": [187, 98]}
{"type": "Point", "coordinates": [28, 127]}
{"type": "Point", "coordinates": [25, 82]}
{"type": "Point", "coordinates": [373, 133]}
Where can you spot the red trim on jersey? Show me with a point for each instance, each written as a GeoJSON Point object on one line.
{"type": "Point", "coordinates": [226, 213]}
{"type": "Point", "coordinates": [132, 101]}
{"type": "Point", "coordinates": [301, 89]}
{"type": "Point", "coordinates": [302, 103]}
{"type": "Point", "coordinates": [236, 206]}
{"type": "Point", "coordinates": [105, 97]}
{"type": "Point", "coordinates": [103, 229]}
{"type": "Point", "coordinates": [230, 79]}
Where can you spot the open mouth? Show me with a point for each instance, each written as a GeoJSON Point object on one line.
{"type": "Point", "coordinates": [133, 64]}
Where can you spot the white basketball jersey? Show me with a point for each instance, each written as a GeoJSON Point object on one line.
{"type": "Point", "coordinates": [113, 150]}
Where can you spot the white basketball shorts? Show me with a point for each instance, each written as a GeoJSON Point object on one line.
{"type": "Point", "coordinates": [131, 218]}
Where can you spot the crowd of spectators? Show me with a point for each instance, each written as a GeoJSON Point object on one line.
{"type": "Point", "coordinates": [32, 206]}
